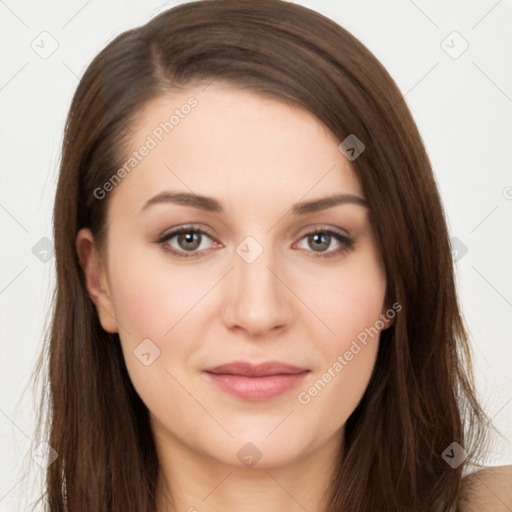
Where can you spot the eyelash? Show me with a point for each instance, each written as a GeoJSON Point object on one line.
{"type": "Point", "coordinates": [347, 243]}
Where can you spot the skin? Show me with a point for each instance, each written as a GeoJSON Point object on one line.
{"type": "Point", "coordinates": [258, 157]}
{"type": "Point", "coordinates": [488, 489]}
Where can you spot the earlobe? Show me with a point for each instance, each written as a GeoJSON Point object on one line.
{"type": "Point", "coordinates": [388, 314]}
{"type": "Point", "coordinates": [96, 279]}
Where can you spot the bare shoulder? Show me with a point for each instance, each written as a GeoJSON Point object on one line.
{"type": "Point", "coordinates": [487, 490]}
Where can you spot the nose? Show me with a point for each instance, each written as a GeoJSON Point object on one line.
{"type": "Point", "coordinates": [256, 300]}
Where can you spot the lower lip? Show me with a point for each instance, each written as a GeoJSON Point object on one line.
{"type": "Point", "coordinates": [257, 388]}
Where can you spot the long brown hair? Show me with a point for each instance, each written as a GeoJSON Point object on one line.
{"type": "Point", "coordinates": [421, 395]}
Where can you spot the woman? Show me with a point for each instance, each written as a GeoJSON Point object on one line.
{"type": "Point", "coordinates": [255, 304]}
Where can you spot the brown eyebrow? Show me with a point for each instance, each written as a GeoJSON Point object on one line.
{"type": "Point", "coordinates": [210, 204]}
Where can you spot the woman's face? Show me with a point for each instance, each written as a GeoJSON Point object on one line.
{"type": "Point", "coordinates": [248, 280]}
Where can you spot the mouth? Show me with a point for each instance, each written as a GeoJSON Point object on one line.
{"type": "Point", "coordinates": [256, 382]}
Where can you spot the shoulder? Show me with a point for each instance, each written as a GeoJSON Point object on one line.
{"type": "Point", "coordinates": [487, 490]}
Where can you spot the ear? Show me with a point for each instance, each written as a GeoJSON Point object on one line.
{"type": "Point", "coordinates": [389, 312]}
{"type": "Point", "coordinates": [96, 279]}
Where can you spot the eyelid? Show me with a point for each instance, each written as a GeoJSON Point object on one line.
{"type": "Point", "coordinates": [339, 234]}
{"type": "Point", "coordinates": [346, 241]}
{"type": "Point", "coordinates": [186, 227]}
{"type": "Point", "coordinates": [315, 228]}
{"type": "Point", "coordinates": [183, 228]}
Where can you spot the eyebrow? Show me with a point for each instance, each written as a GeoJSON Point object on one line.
{"type": "Point", "coordinates": [210, 204]}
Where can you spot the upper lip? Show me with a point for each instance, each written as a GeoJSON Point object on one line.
{"type": "Point", "coordinates": [256, 370]}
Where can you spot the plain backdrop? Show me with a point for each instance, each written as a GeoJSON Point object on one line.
{"type": "Point", "coordinates": [452, 61]}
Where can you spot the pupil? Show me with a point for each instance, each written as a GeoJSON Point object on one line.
{"type": "Point", "coordinates": [190, 237]}
{"type": "Point", "coordinates": [317, 238]}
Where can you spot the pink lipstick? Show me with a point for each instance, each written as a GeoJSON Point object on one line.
{"type": "Point", "coordinates": [256, 381]}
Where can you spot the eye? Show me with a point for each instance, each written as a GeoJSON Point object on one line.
{"type": "Point", "coordinates": [188, 241]}
{"type": "Point", "coordinates": [321, 239]}
{"type": "Point", "coordinates": [192, 241]}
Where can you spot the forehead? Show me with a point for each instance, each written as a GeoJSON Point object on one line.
{"type": "Point", "coordinates": [236, 145]}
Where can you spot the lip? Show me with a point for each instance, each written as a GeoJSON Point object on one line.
{"type": "Point", "coordinates": [247, 369]}
{"type": "Point", "coordinates": [256, 381]}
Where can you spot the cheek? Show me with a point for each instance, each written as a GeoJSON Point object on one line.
{"type": "Point", "coordinates": [150, 298]}
{"type": "Point", "coordinates": [353, 303]}
{"type": "Point", "coordinates": [328, 400]}
{"type": "Point", "coordinates": [351, 307]}
{"type": "Point", "coordinates": [151, 302]}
